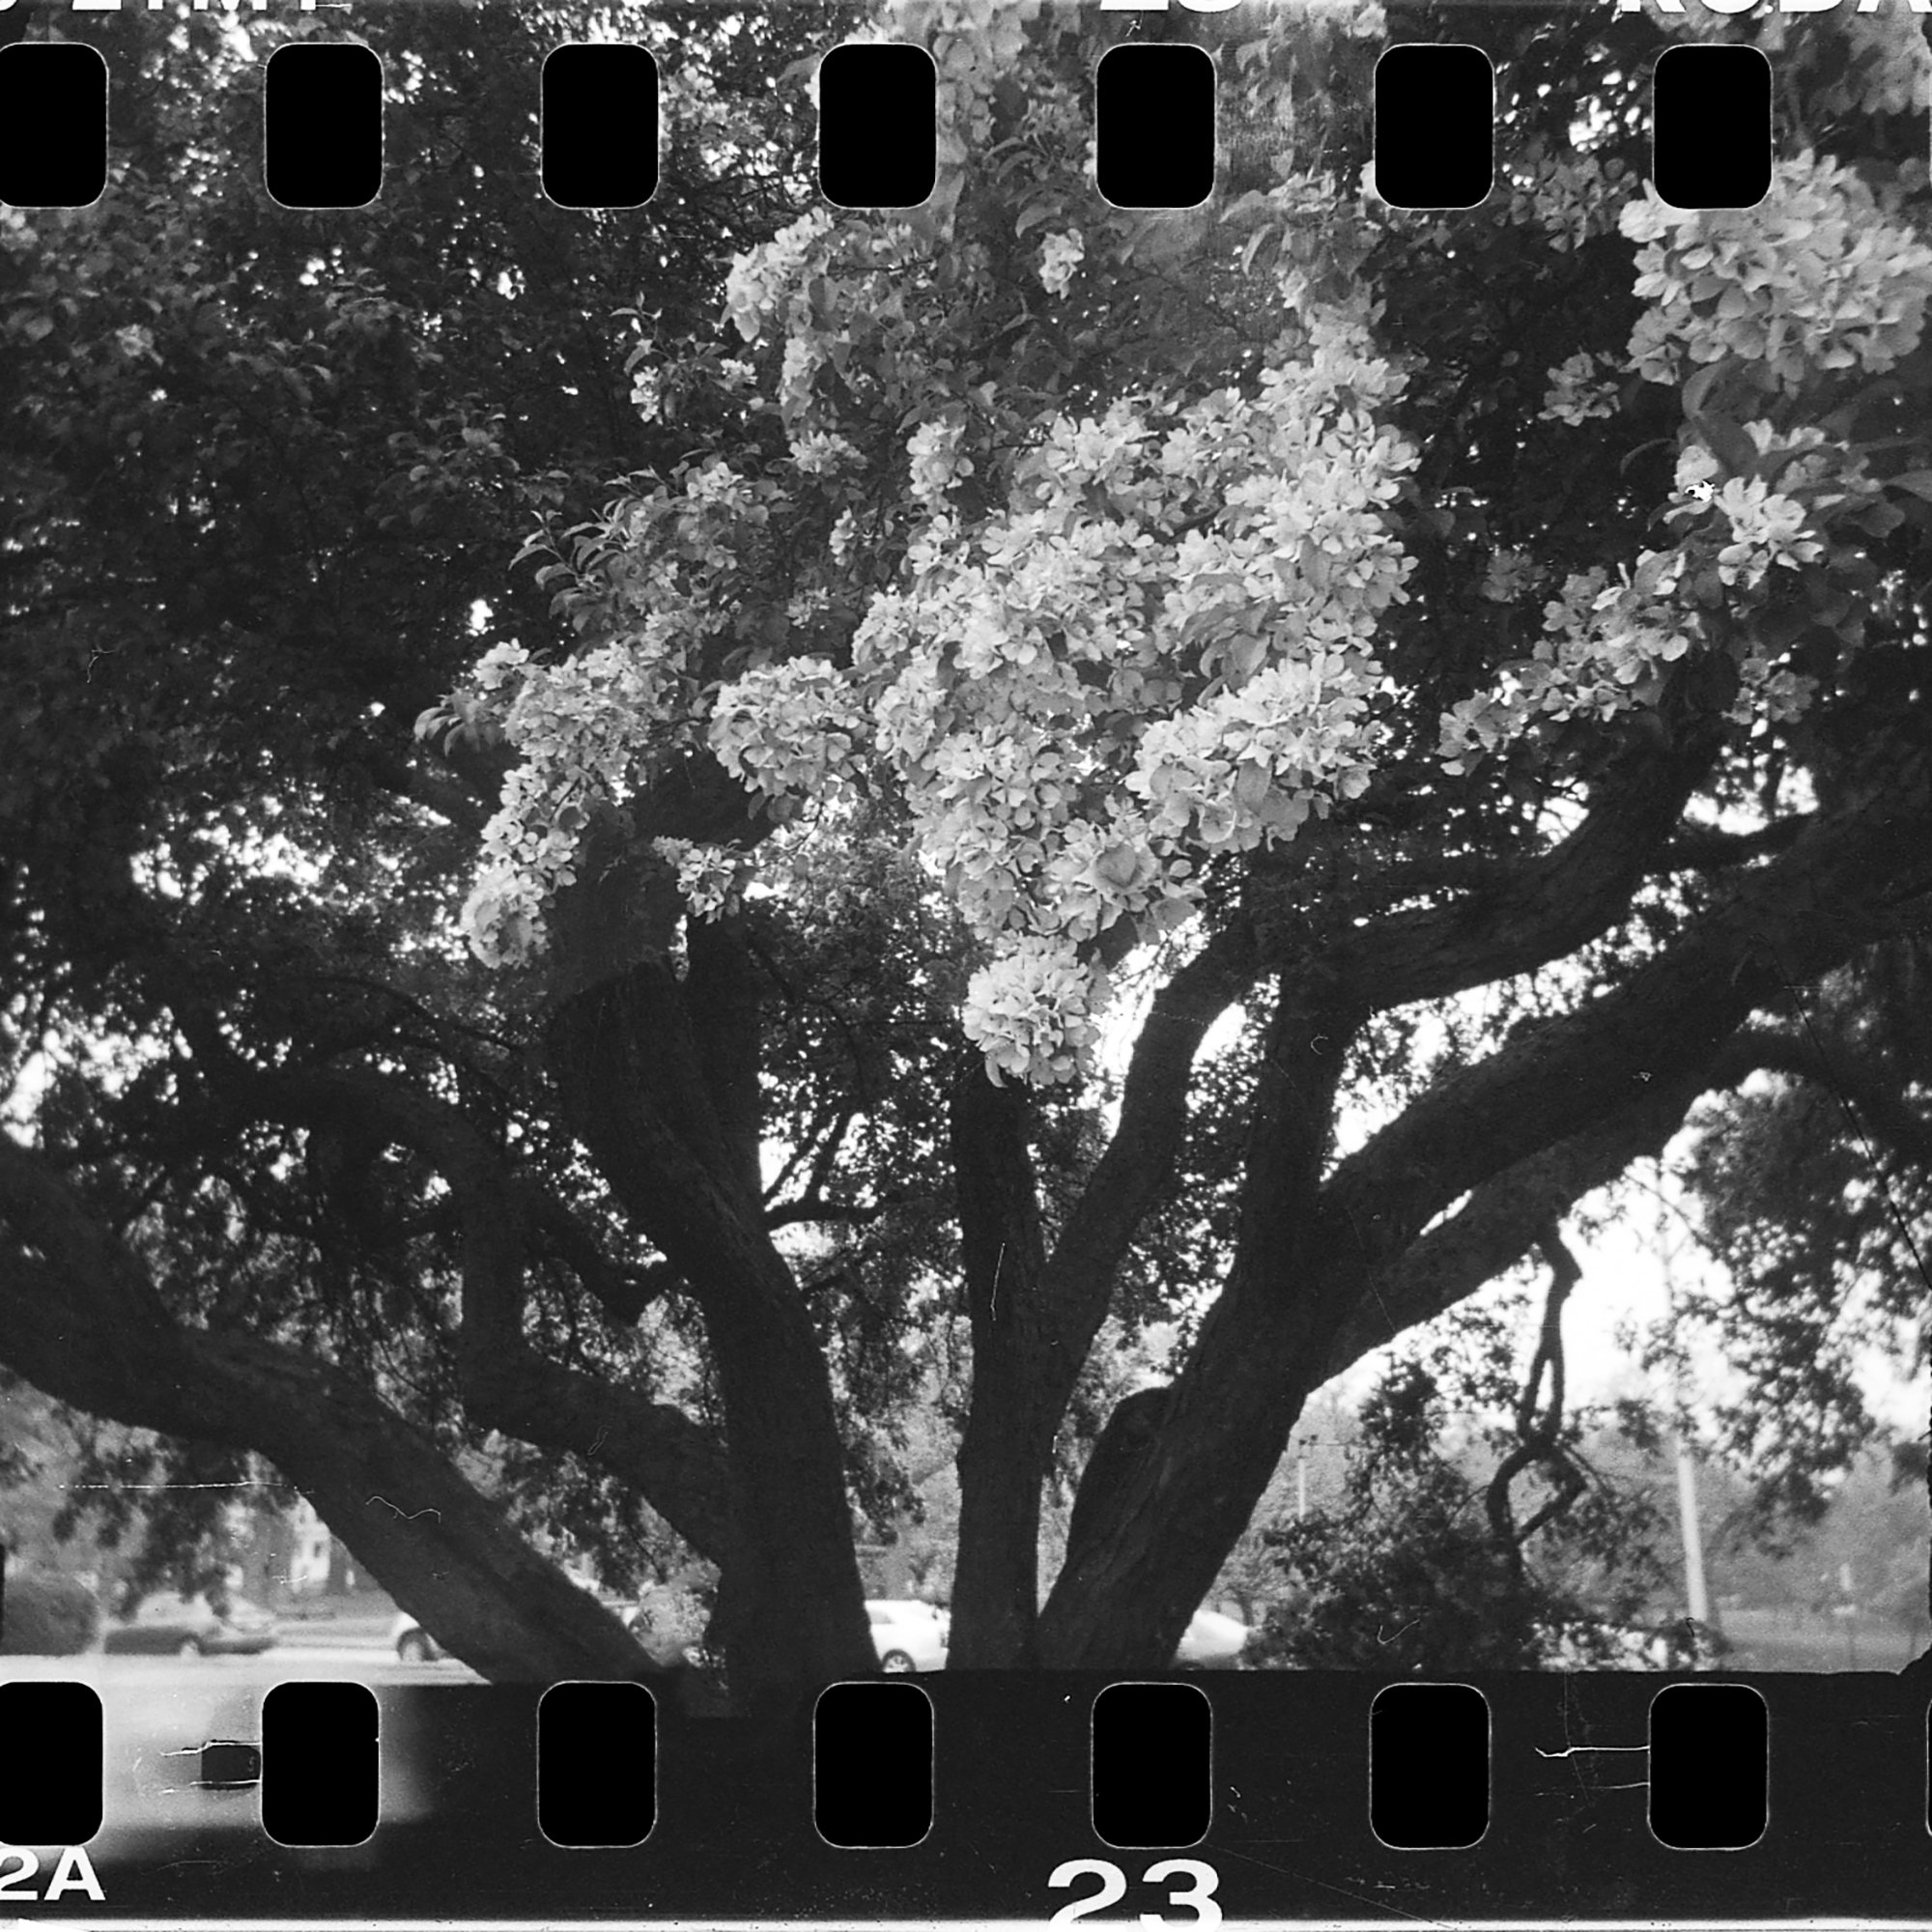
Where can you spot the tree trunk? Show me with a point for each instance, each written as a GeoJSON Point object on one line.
{"type": "Point", "coordinates": [1176, 1483]}
{"type": "Point", "coordinates": [1035, 1316]}
{"type": "Point", "coordinates": [996, 1580]}
{"type": "Point", "coordinates": [1014, 1408]}
{"type": "Point", "coordinates": [1154, 1526]}
{"type": "Point", "coordinates": [635, 1087]}
{"type": "Point", "coordinates": [802, 1616]}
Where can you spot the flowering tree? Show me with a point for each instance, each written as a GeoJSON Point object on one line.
{"type": "Point", "coordinates": [1249, 759]}
{"type": "Point", "coordinates": [1301, 606]}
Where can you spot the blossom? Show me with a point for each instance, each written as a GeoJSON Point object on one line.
{"type": "Point", "coordinates": [1577, 390]}
{"type": "Point", "coordinates": [1144, 638]}
{"type": "Point", "coordinates": [1766, 529]}
{"type": "Point", "coordinates": [1030, 1011]}
{"type": "Point", "coordinates": [710, 878]}
{"type": "Point", "coordinates": [1059, 256]}
{"type": "Point", "coordinates": [761, 280]}
{"type": "Point", "coordinates": [938, 460]}
{"type": "Point", "coordinates": [819, 453]}
{"type": "Point", "coordinates": [788, 729]}
{"type": "Point", "coordinates": [1816, 278]}
{"type": "Point", "coordinates": [1572, 198]}
{"type": "Point", "coordinates": [1605, 644]}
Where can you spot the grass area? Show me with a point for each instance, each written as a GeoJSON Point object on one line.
{"type": "Point", "coordinates": [1800, 1640]}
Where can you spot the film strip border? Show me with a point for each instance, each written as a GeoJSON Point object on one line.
{"type": "Point", "coordinates": [1050, 1798]}
{"type": "Point", "coordinates": [1154, 111]}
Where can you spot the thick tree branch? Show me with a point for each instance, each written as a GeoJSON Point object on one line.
{"type": "Point", "coordinates": [79, 1318]}
{"type": "Point", "coordinates": [1704, 848]}
{"type": "Point", "coordinates": [1009, 1435]}
{"type": "Point", "coordinates": [997, 1199]}
{"type": "Point", "coordinates": [1127, 1179]}
{"type": "Point", "coordinates": [1538, 909]}
{"type": "Point", "coordinates": [622, 1292]}
{"type": "Point", "coordinates": [721, 1000]}
{"type": "Point", "coordinates": [507, 1384]}
{"type": "Point", "coordinates": [1848, 881]}
{"type": "Point", "coordinates": [1502, 1222]}
{"type": "Point", "coordinates": [637, 1088]}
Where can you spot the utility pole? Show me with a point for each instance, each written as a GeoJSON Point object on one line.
{"type": "Point", "coordinates": [1694, 1535]}
{"type": "Point", "coordinates": [1696, 1596]}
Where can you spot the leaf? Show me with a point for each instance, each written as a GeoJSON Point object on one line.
{"type": "Point", "coordinates": [1917, 481]}
{"type": "Point", "coordinates": [1703, 383]}
{"type": "Point", "coordinates": [1728, 441]}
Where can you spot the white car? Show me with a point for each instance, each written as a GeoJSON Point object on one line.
{"type": "Point", "coordinates": [1210, 1642]}
{"type": "Point", "coordinates": [908, 1636]}
{"type": "Point", "coordinates": [414, 1644]}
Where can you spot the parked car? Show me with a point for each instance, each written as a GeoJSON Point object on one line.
{"type": "Point", "coordinates": [908, 1636]}
{"type": "Point", "coordinates": [192, 1627]}
{"type": "Point", "coordinates": [1211, 1642]}
{"type": "Point", "coordinates": [413, 1644]}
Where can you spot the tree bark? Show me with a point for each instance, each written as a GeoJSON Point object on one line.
{"type": "Point", "coordinates": [1007, 1440]}
{"type": "Point", "coordinates": [1152, 1540]}
{"type": "Point", "coordinates": [81, 1320]}
{"type": "Point", "coordinates": [677, 1467]}
{"type": "Point", "coordinates": [1035, 1316]}
{"type": "Point", "coordinates": [654, 1083]}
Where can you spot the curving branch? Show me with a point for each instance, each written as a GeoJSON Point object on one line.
{"type": "Point", "coordinates": [1078, 1276]}
{"type": "Point", "coordinates": [1539, 1436]}
{"type": "Point", "coordinates": [80, 1318]}
{"type": "Point", "coordinates": [1848, 881]}
{"type": "Point", "coordinates": [507, 1384]}
{"type": "Point", "coordinates": [1534, 910]}
{"type": "Point", "coordinates": [1704, 848]}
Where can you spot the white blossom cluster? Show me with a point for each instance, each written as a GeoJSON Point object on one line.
{"type": "Point", "coordinates": [648, 583]}
{"type": "Point", "coordinates": [1816, 277]}
{"type": "Point", "coordinates": [761, 280]}
{"type": "Point", "coordinates": [575, 724]}
{"type": "Point", "coordinates": [1160, 650]}
{"type": "Point", "coordinates": [711, 879]}
{"type": "Point", "coordinates": [788, 729]}
{"type": "Point", "coordinates": [1765, 525]}
{"type": "Point", "coordinates": [1604, 642]}
{"type": "Point", "coordinates": [1036, 1016]}
{"type": "Point", "coordinates": [1887, 64]}
{"type": "Point", "coordinates": [821, 453]}
{"type": "Point", "coordinates": [1060, 255]}
{"type": "Point", "coordinates": [936, 453]}
{"type": "Point", "coordinates": [1570, 198]}
{"type": "Point", "coordinates": [1580, 388]}
{"type": "Point", "coordinates": [1874, 52]}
